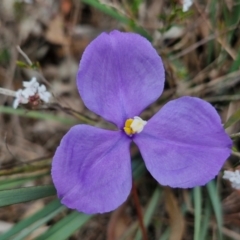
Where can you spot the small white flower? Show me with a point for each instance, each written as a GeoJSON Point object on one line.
{"type": "Point", "coordinates": [20, 98]}
{"type": "Point", "coordinates": [31, 88]}
{"type": "Point", "coordinates": [233, 177]}
{"type": "Point", "coordinates": [187, 4]}
{"type": "Point", "coordinates": [31, 94]}
{"type": "Point", "coordinates": [28, 92]}
{"type": "Point", "coordinates": [44, 94]}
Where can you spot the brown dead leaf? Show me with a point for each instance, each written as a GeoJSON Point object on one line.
{"type": "Point", "coordinates": [231, 204]}
{"type": "Point", "coordinates": [55, 33]}
{"type": "Point", "coordinates": [177, 223]}
{"type": "Point", "coordinates": [231, 233]}
{"type": "Point", "coordinates": [231, 209]}
{"type": "Point", "coordinates": [118, 224]}
{"type": "Point", "coordinates": [232, 219]}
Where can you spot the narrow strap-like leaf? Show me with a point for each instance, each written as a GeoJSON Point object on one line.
{"type": "Point", "coordinates": [65, 227]}
{"type": "Point", "coordinates": [36, 219]}
{"type": "Point", "coordinates": [8, 197]}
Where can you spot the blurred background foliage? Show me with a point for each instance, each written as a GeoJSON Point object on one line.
{"type": "Point", "coordinates": [200, 50]}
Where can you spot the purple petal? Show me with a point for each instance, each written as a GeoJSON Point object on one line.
{"type": "Point", "coordinates": [120, 74]}
{"type": "Point", "coordinates": [184, 144]}
{"type": "Point", "coordinates": [91, 169]}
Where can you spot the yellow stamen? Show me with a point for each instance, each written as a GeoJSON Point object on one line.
{"type": "Point", "coordinates": [134, 125]}
{"type": "Point", "coordinates": [127, 128]}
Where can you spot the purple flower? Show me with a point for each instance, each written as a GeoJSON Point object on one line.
{"type": "Point", "coordinates": [183, 145]}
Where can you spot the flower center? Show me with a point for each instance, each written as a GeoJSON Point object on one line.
{"type": "Point", "coordinates": [134, 125]}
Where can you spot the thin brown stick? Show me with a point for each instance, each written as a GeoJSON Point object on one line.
{"type": "Point", "coordinates": [25, 56]}
{"type": "Point", "coordinates": [139, 212]}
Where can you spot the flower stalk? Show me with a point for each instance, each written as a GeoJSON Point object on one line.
{"type": "Point", "coordinates": [235, 135]}
{"type": "Point", "coordinates": [7, 92]}
{"type": "Point", "coordinates": [139, 212]}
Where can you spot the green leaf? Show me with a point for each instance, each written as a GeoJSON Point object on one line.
{"type": "Point", "coordinates": [35, 66]}
{"type": "Point", "coordinates": [135, 4]}
{"type": "Point", "coordinates": [28, 225]}
{"type": "Point", "coordinates": [233, 119]}
{"type": "Point", "coordinates": [13, 183]}
{"type": "Point", "coordinates": [22, 64]}
{"type": "Point", "coordinates": [206, 221]}
{"type": "Point", "coordinates": [216, 205]}
{"type": "Point", "coordinates": [27, 168]}
{"type": "Point", "coordinates": [4, 55]}
{"type": "Point", "coordinates": [236, 64]}
{"type": "Point", "coordinates": [8, 197]}
{"type": "Point", "coordinates": [197, 212]}
{"type": "Point", "coordinates": [65, 227]}
{"type": "Point", "coordinates": [36, 115]}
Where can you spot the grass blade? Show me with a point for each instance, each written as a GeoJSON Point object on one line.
{"type": "Point", "coordinates": [44, 213]}
{"type": "Point", "coordinates": [233, 119]}
{"type": "Point", "coordinates": [216, 204]}
{"type": "Point", "coordinates": [37, 224]}
{"type": "Point", "coordinates": [66, 227]}
{"type": "Point", "coordinates": [13, 183]}
{"type": "Point", "coordinates": [197, 212]}
{"type": "Point", "coordinates": [36, 115]}
{"type": "Point", "coordinates": [206, 221]}
{"type": "Point", "coordinates": [8, 197]}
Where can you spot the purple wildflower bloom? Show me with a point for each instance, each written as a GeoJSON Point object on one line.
{"type": "Point", "coordinates": [183, 145]}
